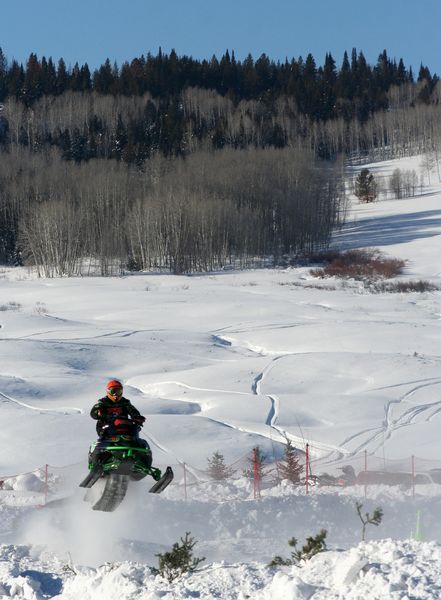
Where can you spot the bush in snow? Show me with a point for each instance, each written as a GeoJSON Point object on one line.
{"type": "Point", "coordinates": [367, 264]}
{"type": "Point", "coordinates": [403, 184]}
{"type": "Point", "coordinates": [10, 306]}
{"type": "Point", "coordinates": [217, 469]}
{"type": "Point", "coordinates": [179, 560]}
{"type": "Point", "coordinates": [40, 308]}
{"type": "Point", "coordinates": [366, 519]}
{"type": "Point", "coordinates": [313, 546]}
{"type": "Point", "coordinates": [402, 287]}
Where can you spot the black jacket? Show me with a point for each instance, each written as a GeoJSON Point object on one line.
{"type": "Point", "coordinates": [106, 410]}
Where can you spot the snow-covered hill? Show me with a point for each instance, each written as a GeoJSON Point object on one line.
{"type": "Point", "coordinates": [226, 362]}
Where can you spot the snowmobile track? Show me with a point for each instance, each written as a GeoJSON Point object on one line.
{"type": "Point", "coordinates": [113, 494]}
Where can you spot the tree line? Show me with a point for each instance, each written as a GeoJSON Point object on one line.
{"type": "Point", "coordinates": [200, 213]}
{"type": "Point", "coordinates": [369, 110]}
{"type": "Point", "coordinates": [325, 91]}
{"type": "Point", "coordinates": [170, 162]}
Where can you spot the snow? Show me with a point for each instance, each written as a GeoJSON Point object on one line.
{"type": "Point", "coordinates": [386, 569]}
{"type": "Point", "coordinates": [228, 361]}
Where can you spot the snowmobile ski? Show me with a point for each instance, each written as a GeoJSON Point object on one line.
{"type": "Point", "coordinates": [165, 480]}
{"type": "Point", "coordinates": [92, 477]}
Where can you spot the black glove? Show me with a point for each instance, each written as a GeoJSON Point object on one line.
{"type": "Point", "coordinates": [139, 420]}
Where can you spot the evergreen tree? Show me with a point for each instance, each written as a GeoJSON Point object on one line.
{"type": "Point", "coordinates": [401, 73]}
{"type": "Point", "coordinates": [104, 79]}
{"type": "Point", "coordinates": [86, 83]}
{"type": "Point", "coordinates": [217, 469]}
{"type": "Point", "coordinates": [313, 546]}
{"type": "Point", "coordinates": [365, 186]}
{"type": "Point", "coordinates": [256, 464]}
{"type": "Point", "coordinates": [367, 519]}
{"type": "Point", "coordinates": [327, 93]}
{"type": "Point", "coordinates": [3, 76]}
{"type": "Point", "coordinates": [345, 84]}
{"type": "Point", "coordinates": [119, 139]}
{"type": "Point", "coordinates": [426, 85]}
{"type": "Point", "coordinates": [48, 77]}
{"type": "Point", "coordinates": [32, 85]}
{"type": "Point", "coordinates": [62, 77]}
{"type": "Point", "coordinates": [249, 78]}
{"type": "Point", "coordinates": [178, 560]}
{"type": "Point", "coordinates": [290, 466]}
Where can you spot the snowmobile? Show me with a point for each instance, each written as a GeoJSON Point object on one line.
{"type": "Point", "coordinates": [348, 477]}
{"type": "Point", "coordinates": [118, 457]}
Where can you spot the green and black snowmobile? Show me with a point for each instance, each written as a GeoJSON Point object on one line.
{"type": "Point", "coordinates": [118, 457]}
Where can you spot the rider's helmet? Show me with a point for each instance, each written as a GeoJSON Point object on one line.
{"type": "Point", "coordinates": [114, 390]}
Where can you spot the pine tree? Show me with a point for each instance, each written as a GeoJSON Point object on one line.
{"type": "Point", "coordinates": [425, 85]}
{"type": "Point", "coordinates": [217, 469]}
{"type": "Point", "coordinates": [48, 77]}
{"type": "Point", "coordinates": [313, 546]}
{"type": "Point", "coordinates": [3, 73]}
{"type": "Point", "coordinates": [365, 186]}
{"type": "Point", "coordinates": [256, 464]}
{"type": "Point", "coordinates": [179, 560]}
{"type": "Point", "coordinates": [345, 83]}
{"type": "Point", "coordinates": [32, 88]}
{"type": "Point", "coordinates": [62, 77]}
{"type": "Point", "coordinates": [290, 467]}
{"type": "Point", "coordinates": [367, 519]}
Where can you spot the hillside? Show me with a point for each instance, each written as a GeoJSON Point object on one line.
{"type": "Point", "coordinates": [227, 361]}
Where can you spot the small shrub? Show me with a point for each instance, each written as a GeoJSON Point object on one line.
{"type": "Point", "coordinates": [360, 265]}
{"type": "Point", "coordinates": [10, 306]}
{"type": "Point", "coordinates": [313, 546]}
{"type": "Point", "coordinates": [179, 560]}
{"type": "Point", "coordinates": [316, 286]}
{"type": "Point", "coordinates": [402, 287]}
{"type": "Point", "coordinates": [40, 308]}
{"type": "Point", "coordinates": [366, 519]}
{"type": "Point", "coordinates": [217, 469]}
{"type": "Point", "coordinates": [68, 567]}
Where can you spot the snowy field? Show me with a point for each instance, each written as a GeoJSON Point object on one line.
{"type": "Point", "coordinates": [226, 362]}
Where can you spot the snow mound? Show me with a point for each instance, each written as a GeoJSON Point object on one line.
{"type": "Point", "coordinates": [373, 570]}
{"type": "Point", "coordinates": [28, 482]}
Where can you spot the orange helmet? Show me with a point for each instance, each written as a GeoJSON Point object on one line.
{"type": "Point", "coordinates": [114, 389]}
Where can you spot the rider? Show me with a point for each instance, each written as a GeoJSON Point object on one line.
{"type": "Point", "coordinates": [112, 406]}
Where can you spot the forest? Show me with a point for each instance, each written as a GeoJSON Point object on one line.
{"type": "Point", "coordinates": [173, 163]}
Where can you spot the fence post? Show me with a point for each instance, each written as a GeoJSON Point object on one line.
{"type": "Point", "coordinates": [256, 474]}
{"type": "Point", "coordinates": [46, 483]}
{"type": "Point", "coordinates": [365, 470]}
{"type": "Point", "coordinates": [413, 476]}
{"type": "Point", "coordinates": [185, 481]}
{"type": "Point", "coordinates": [307, 468]}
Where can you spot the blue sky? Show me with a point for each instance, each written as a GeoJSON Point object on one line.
{"type": "Point", "coordinates": [92, 30]}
